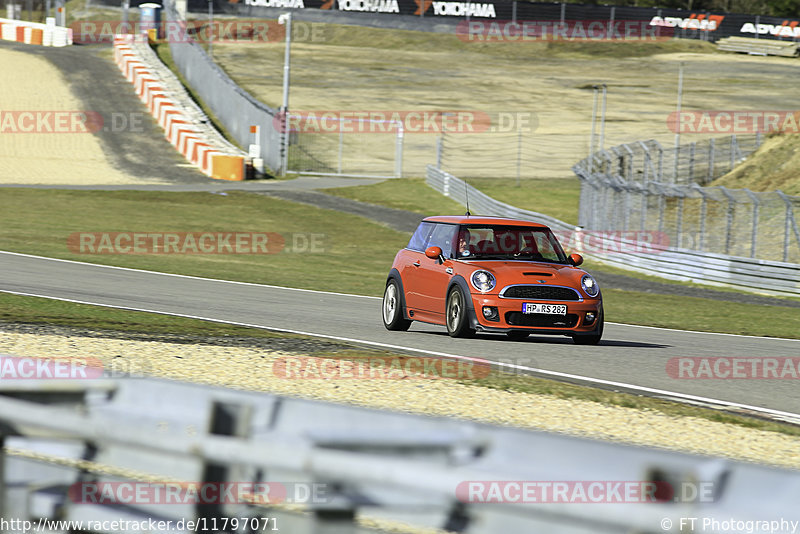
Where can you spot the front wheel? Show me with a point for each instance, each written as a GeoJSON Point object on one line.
{"type": "Point", "coordinates": [594, 337]}
{"type": "Point", "coordinates": [457, 314]}
{"type": "Point", "coordinates": [393, 318]}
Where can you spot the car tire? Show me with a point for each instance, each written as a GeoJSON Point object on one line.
{"type": "Point", "coordinates": [393, 308]}
{"type": "Point", "coordinates": [457, 314]}
{"type": "Point", "coordinates": [517, 335]}
{"type": "Point", "coordinates": [594, 337]}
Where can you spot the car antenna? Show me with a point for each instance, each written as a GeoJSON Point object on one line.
{"type": "Point", "coordinates": [466, 194]}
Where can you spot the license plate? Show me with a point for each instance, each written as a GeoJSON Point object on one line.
{"type": "Point", "coordinates": [551, 309]}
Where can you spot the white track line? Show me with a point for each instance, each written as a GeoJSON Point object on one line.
{"type": "Point", "coordinates": [342, 294]}
{"type": "Point", "coordinates": [642, 389]}
{"type": "Point", "coordinates": [185, 275]}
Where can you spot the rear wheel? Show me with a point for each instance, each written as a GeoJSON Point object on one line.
{"type": "Point", "coordinates": [393, 318]}
{"type": "Point", "coordinates": [594, 337]}
{"type": "Point", "coordinates": [457, 318]}
{"type": "Point", "coordinates": [517, 335]}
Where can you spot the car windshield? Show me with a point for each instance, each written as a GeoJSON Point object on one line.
{"type": "Point", "coordinates": [509, 243]}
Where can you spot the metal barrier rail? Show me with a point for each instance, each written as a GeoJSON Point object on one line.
{"type": "Point", "coordinates": [749, 274]}
{"type": "Point", "coordinates": [84, 435]}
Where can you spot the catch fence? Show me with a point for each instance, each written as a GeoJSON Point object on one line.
{"type": "Point", "coordinates": [235, 108]}
{"type": "Point", "coordinates": [644, 186]}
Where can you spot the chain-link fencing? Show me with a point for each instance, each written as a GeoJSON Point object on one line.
{"type": "Point", "coordinates": [644, 186]}
{"type": "Point", "coordinates": [235, 108]}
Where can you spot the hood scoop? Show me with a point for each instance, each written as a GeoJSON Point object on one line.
{"type": "Point", "coordinates": [537, 274]}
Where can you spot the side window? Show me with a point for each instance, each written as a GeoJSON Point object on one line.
{"type": "Point", "coordinates": [420, 238]}
{"type": "Point", "coordinates": [444, 236]}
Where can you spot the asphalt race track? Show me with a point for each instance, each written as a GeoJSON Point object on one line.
{"type": "Point", "coordinates": [630, 355]}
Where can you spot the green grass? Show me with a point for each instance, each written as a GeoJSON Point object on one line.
{"type": "Point", "coordinates": [355, 254]}
{"type": "Point", "coordinates": [15, 309]}
{"type": "Point", "coordinates": [42, 311]}
{"type": "Point", "coordinates": [705, 315]}
{"type": "Point", "coordinates": [411, 194]}
{"type": "Point", "coordinates": [557, 198]}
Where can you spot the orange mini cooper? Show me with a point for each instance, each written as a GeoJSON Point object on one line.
{"type": "Point", "coordinates": [490, 274]}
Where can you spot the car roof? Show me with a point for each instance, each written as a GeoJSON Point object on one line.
{"type": "Point", "coordinates": [482, 219]}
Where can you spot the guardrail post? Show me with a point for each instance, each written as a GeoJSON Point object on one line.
{"type": "Point", "coordinates": [227, 419]}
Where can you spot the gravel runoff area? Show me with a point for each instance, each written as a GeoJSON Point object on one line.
{"type": "Point", "coordinates": [128, 148]}
{"type": "Point", "coordinates": [247, 363]}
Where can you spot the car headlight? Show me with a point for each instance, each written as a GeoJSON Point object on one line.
{"type": "Point", "coordinates": [589, 286]}
{"type": "Point", "coordinates": [483, 281]}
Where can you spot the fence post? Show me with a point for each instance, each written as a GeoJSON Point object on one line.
{"type": "Point", "coordinates": [711, 156]}
{"type": "Point", "coordinates": [341, 144]}
{"type": "Point", "coordinates": [398, 154]}
{"type": "Point", "coordinates": [643, 214]}
{"type": "Point", "coordinates": [679, 224]}
{"type": "Point", "coordinates": [439, 149]}
{"type": "Point", "coordinates": [691, 162]}
{"type": "Point", "coordinates": [729, 223]}
{"type": "Point", "coordinates": [754, 235]}
{"type": "Point", "coordinates": [703, 203]}
{"type": "Point", "coordinates": [790, 224]}
{"type": "Point", "coordinates": [519, 152]}
{"type": "Point", "coordinates": [733, 151]}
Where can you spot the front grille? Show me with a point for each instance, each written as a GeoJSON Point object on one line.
{"type": "Point", "coordinates": [541, 293]}
{"type": "Point", "coordinates": [542, 319]}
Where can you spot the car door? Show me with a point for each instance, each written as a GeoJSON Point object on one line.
{"type": "Point", "coordinates": [434, 275]}
{"type": "Point", "coordinates": [413, 257]}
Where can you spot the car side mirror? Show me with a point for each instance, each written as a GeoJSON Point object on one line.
{"type": "Point", "coordinates": [433, 253]}
{"type": "Point", "coordinates": [575, 259]}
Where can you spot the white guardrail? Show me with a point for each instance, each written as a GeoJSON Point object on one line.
{"type": "Point", "coordinates": [135, 449]}
{"type": "Point", "coordinates": [749, 274]}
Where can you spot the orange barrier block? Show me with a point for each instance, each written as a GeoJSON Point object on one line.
{"type": "Point", "coordinates": [37, 36]}
{"type": "Point", "coordinates": [227, 168]}
{"type": "Point", "coordinates": [20, 34]}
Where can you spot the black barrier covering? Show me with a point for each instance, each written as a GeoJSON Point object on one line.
{"type": "Point", "coordinates": [687, 24]}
